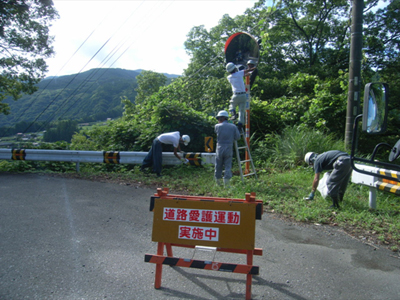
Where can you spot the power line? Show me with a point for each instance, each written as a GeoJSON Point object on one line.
{"type": "Point", "coordinates": [95, 72]}
{"type": "Point", "coordinates": [81, 70]}
{"type": "Point", "coordinates": [51, 80]}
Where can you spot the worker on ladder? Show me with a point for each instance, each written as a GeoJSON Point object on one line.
{"type": "Point", "coordinates": [239, 97]}
{"type": "Point", "coordinates": [227, 133]}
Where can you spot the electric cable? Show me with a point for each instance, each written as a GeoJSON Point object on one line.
{"type": "Point", "coordinates": [81, 69]}
{"type": "Point", "coordinates": [94, 73]}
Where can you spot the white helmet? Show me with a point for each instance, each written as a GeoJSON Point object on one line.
{"type": "Point", "coordinates": [310, 157]}
{"type": "Point", "coordinates": [251, 62]}
{"type": "Point", "coordinates": [222, 113]}
{"type": "Point", "coordinates": [230, 67]}
{"type": "Point", "coordinates": [186, 139]}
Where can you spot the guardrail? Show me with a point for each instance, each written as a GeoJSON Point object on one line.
{"type": "Point", "coordinates": [376, 183]}
{"type": "Point", "coordinates": [110, 157]}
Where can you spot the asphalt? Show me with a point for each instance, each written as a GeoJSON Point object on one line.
{"type": "Point", "coordinates": [76, 239]}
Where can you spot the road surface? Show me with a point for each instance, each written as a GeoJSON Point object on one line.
{"type": "Point", "coordinates": [76, 239]}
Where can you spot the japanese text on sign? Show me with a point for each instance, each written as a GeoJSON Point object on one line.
{"type": "Point", "coordinates": [199, 233]}
{"type": "Point", "coordinates": [202, 216]}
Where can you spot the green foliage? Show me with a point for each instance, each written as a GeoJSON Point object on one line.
{"type": "Point", "coordinates": [143, 122]}
{"type": "Point", "coordinates": [118, 135]}
{"type": "Point", "coordinates": [63, 131]}
{"type": "Point", "coordinates": [86, 97]}
{"type": "Point", "coordinates": [160, 115]}
{"type": "Point", "coordinates": [24, 44]}
{"type": "Point", "coordinates": [148, 83]}
{"type": "Point", "coordinates": [327, 106]}
{"type": "Point", "coordinates": [287, 151]}
{"type": "Point", "coordinates": [306, 101]}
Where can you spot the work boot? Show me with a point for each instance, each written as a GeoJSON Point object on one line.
{"type": "Point", "coordinates": [335, 201]}
{"type": "Point", "coordinates": [341, 198]}
{"type": "Point", "coordinates": [227, 183]}
{"type": "Point", "coordinates": [218, 181]}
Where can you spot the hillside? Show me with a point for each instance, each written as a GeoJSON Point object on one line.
{"type": "Point", "coordinates": [89, 96]}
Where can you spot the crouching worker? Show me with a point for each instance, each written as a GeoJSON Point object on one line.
{"type": "Point", "coordinates": [154, 157]}
{"type": "Point", "coordinates": [340, 164]}
{"type": "Point", "coordinates": [226, 134]}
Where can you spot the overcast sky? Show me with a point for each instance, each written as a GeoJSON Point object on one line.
{"type": "Point", "coordinates": [131, 34]}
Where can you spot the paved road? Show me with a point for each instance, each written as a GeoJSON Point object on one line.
{"type": "Point", "coordinates": [75, 239]}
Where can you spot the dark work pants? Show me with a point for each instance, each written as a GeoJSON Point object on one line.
{"type": "Point", "coordinates": [154, 157]}
{"type": "Point", "coordinates": [340, 176]}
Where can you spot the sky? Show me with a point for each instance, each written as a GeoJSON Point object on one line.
{"type": "Point", "coordinates": [131, 34]}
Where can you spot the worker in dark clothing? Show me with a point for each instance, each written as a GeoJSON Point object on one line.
{"type": "Point", "coordinates": [340, 164]}
{"type": "Point", "coordinates": [154, 157]}
{"type": "Point", "coordinates": [226, 134]}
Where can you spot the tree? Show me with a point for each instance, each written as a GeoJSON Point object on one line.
{"type": "Point", "coordinates": [148, 83]}
{"type": "Point", "coordinates": [24, 43]}
{"type": "Point", "coordinates": [304, 35]}
{"type": "Point", "coordinates": [63, 131]}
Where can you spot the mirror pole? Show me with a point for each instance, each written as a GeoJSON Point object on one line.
{"type": "Point", "coordinates": [354, 138]}
{"type": "Point", "coordinates": [247, 137]}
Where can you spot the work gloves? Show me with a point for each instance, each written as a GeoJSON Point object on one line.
{"type": "Point", "coordinates": [310, 197]}
{"type": "Point", "coordinates": [185, 161]}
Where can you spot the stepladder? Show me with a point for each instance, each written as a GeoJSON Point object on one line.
{"type": "Point", "coordinates": [243, 156]}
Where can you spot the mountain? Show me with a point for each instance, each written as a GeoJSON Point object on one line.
{"type": "Point", "coordinates": [93, 95]}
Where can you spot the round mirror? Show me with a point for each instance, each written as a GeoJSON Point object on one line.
{"type": "Point", "coordinates": [240, 48]}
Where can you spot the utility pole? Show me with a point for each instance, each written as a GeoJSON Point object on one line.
{"type": "Point", "coordinates": [354, 97]}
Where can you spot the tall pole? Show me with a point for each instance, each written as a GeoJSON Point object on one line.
{"type": "Point", "coordinates": [247, 137]}
{"type": "Point", "coordinates": [353, 97]}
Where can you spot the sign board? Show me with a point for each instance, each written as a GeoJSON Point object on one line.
{"type": "Point", "coordinates": [208, 144]}
{"type": "Point", "coordinates": [205, 223]}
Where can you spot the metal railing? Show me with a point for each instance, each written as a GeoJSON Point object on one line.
{"type": "Point", "coordinates": [111, 157]}
{"type": "Point", "coordinates": [376, 183]}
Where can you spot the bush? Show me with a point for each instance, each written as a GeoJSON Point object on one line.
{"type": "Point", "coordinates": [287, 151]}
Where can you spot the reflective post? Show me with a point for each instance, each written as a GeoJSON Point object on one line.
{"type": "Point", "coordinates": [247, 137]}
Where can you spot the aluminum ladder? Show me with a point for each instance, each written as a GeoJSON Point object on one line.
{"type": "Point", "coordinates": [240, 162]}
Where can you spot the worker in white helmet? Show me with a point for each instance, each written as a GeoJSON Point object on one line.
{"type": "Point", "coordinates": [226, 134]}
{"type": "Point", "coordinates": [340, 164]}
{"type": "Point", "coordinates": [238, 92]}
{"type": "Point", "coordinates": [154, 157]}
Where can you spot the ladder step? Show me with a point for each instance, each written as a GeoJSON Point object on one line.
{"type": "Point", "coordinates": [242, 161]}
{"type": "Point", "coordinates": [244, 175]}
{"type": "Point", "coordinates": [246, 147]}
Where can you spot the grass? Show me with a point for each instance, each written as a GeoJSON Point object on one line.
{"type": "Point", "coordinates": [283, 192]}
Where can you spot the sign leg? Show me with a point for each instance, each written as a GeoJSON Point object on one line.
{"type": "Point", "coordinates": [157, 281]}
{"type": "Point", "coordinates": [249, 276]}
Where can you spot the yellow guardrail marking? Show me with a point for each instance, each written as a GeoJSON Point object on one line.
{"type": "Point", "coordinates": [111, 157]}
{"type": "Point", "coordinates": [18, 154]}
